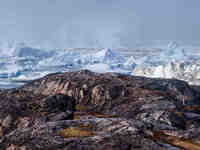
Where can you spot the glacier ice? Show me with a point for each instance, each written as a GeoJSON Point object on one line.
{"type": "Point", "coordinates": [100, 68]}
{"type": "Point", "coordinates": [60, 58]}
{"type": "Point", "coordinates": [171, 63]}
{"type": "Point", "coordinates": [130, 63]}
{"type": "Point", "coordinates": [19, 62]}
{"type": "Point", "coordinates": [27, 63]}
{"type": "Point", "coordinates": [106, 56]}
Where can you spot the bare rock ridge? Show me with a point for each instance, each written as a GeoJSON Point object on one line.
{"type": "Point", "coordinates": [84, 110]}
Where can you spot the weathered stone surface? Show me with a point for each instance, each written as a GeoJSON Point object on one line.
{"type": "Point", "coordinates": [7, 121]}
{"type": "Point", "coordinates": [111, 111]}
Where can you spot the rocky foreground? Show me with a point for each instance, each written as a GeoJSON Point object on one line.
{"type": "Point", "coordinates": [90, 111]}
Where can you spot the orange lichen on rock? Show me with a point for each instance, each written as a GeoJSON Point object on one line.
{"type": "Point", "coordinates": [177, 142]}
{"type": "Point", "coordinates": [179, 114]}
{"type": "Point", "coordinates": [76, 117]}
{"type": "Point", "coordinates": [192, 108]}
{"type": "Point", "coordinates": [80, 107]}
{"type": "Point", "coordinates": [73, 132]}
{"type": "Point", "coordinates": [86, 126]}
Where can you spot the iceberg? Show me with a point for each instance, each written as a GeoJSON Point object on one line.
{"type": "Point", "coordinates": [60, 58]}
{"type": "Point", "coordinates": [19, 62]}
{"type": "Point", "coordinates": [106, 56]}
{"type": "Point", "coordinates": [32, 52]}
{"type": "Point", "coordinates": [130, 63]}
{"type": "Point", "coordinates": [99, 68]}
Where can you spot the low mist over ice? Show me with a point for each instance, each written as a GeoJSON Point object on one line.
{"type": "Point", "coordinates": [99, 23]}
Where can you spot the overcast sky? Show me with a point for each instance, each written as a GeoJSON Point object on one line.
{"type": "Point", "coordinates": [99, 23]}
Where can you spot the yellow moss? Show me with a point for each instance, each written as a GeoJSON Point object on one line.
{"type": "Point", "coordinates": [80, 107]}
{"type": "Point", "coordinates": [76, 117]}
{"type": "Point", "coordinates": [175, 141]}
{"type": "Point", "coordinates": [86, 126]}
{"type": "Point", "coordinates": [98, 115]}
{"type": "Point", "coordinates": [179, 114]}
{"type": "Point", "coordinates": [75, 132]}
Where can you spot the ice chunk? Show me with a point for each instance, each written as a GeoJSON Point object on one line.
{"type": "Point", "coordinates": [130, 63]}
{"type": "Point", "coordinates": [105, 56]}
{"type": "Point", "coordinates": [100, 68]}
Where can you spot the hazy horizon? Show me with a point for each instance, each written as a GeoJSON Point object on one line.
{"type": "Point", "coordinates": [100, 23]}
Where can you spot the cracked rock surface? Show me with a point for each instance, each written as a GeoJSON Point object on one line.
{"type": "Point", "coordinates": [90, 111]}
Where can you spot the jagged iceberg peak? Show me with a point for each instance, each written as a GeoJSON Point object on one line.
{"type": "Point", "coordinates": [16, 49]}
{"type": "Point", "coordinates": [173, 52]}
{"type": "Point", "coordinates": [182, 70]}
{"type": "Point", "coordinates": [105, 54]}
{"type": "Point", "coordinates": [61, 58]}
{"type": "Point", "coordinates": [171, 63]}
{"type": "Point", "coordinates": [7, 49]}
{"type": "Point", "coordinates": [108, 55]}
{"type": "Point", "coordinates": [11, 48]}
{"type": "Point", "coordinates": [23, 50]}
{"type": "Point", "coordinates": [130, 62]}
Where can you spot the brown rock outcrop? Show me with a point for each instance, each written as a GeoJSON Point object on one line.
{"type": "Point", "coordinates": [86, 111]}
